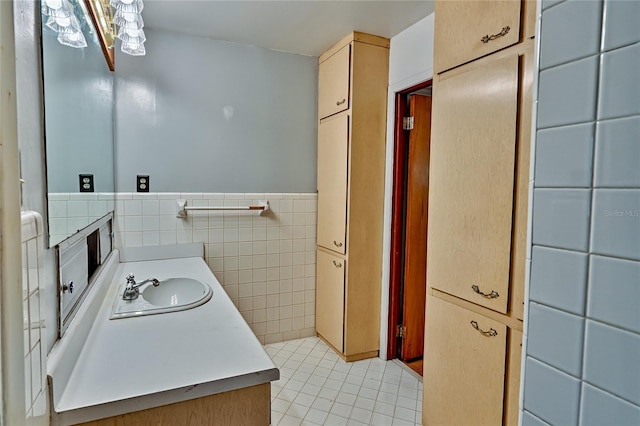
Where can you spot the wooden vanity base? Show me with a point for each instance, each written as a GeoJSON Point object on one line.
{"type": "Point", "coordinates": [248, 406]}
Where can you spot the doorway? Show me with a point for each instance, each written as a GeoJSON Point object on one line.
{"type": "Point", "coordinates": [409, 225]}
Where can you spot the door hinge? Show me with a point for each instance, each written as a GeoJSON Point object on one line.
{"type": "Point", "coordinates": [401, 331]}
{"type": "Point", "coordinates": [407, 123]}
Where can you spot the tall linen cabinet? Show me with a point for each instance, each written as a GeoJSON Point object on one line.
{"type": "Point", "coordinates": [478, 194]}
{"type": "Point", "coordinates": [352, 99]}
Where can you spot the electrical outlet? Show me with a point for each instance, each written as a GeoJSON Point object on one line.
{"type": "Point", "coordinates": [142, 183]}
{"type": "Point", "coordinates": [86, 183]}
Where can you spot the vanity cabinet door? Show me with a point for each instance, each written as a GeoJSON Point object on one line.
{"type": "Point", "coordinates": [333, 150]}
{"type": "Point", "coordinates": [466, 30]}
{"type": "Point", "coordinates": [471, 182]}
{"type": "Point", "coordinates": [330, 298]}
{"type": "Point", "coordinates": [464, 367]}
{"type": "Point", "coordinates": [333, 83]}
{"type": "Point", "coordinates": [74, 276]}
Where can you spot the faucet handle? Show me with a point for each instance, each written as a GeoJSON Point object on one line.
{"type": "Point", "coordinates": [131, 279]}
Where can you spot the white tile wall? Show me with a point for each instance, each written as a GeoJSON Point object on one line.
{"type": "Point", "coordinates": [34, 327]}
{"type": "Point", "coordinates": [266, 264]}
{"type": "Point", "coordinates": [583, 333]}
{"type": "Point", "coordinates": [69, 212]}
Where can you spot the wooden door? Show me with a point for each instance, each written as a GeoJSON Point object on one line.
{"type": "Point", "coordinates": [473, 141]}
{"type": "Point", "coordinates": [333, 147]}
{"type": "Point", "coordinates": [333, 83]}
{"type": "Point", "coordinates": [466, 30]}
{"type": "Point", "coordinates": [330, 298]}
{"type": "Point", "coordinates": [415, 263]}
{"type": "Point", "coordinates": [464, 366]}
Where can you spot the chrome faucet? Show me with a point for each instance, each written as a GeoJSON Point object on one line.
{"type": "Point", "coordinates": [131, 291]}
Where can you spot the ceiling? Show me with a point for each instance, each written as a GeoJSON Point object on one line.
{"type": "Point", "coordinates": [298, 26]}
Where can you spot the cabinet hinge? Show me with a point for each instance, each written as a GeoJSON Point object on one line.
{"type": "Point", "coordinates": [401, 331]}
{"type": "Point", "coordinates": [407, 123]}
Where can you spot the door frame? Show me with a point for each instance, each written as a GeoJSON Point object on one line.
{"type": "Point", "coordinates": [396, 265]}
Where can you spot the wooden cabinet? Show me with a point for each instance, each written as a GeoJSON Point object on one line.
{"type": "Point", "coordinates": [351, 157]}
{"type": "Point", "coordinates": [463, 366]}
{"type": "Point", "coordinates": [478, 199]}
{"type": "Point", "coordinates": [471, 182]}
{"type": "Point", "coordinates": [249, 406]}
{"type": "Point", "coordinates": [330, 296]}
{"type": "Point", "coordinates": [333, 150]}
{"type": "Point", "coordinates": [333, 83]}
{"type": "Point", "coordinates": [465, 373]}
{"type": "Point", "coordinates": [470, 30]}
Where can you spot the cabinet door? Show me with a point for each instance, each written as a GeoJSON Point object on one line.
{"type": "Point", "coordinates": [512, 388]}
{"type": "Point", "coordinates": [333, 83]}
{"type": "Point", "coordinates": [330, 299]}
{"type": "Point", "coordinates": [333, 147]}
{"type": "Point", "coordinates": [466, 30]}
{"type": "Point", "coordinates": [471, 183]}
{"type": "Point", "coordinates": [464, 366]}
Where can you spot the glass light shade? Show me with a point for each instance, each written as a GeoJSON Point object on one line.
{"type": "Point", "coordinates": [56, 9]}
{"type": "Point", "coordinates": [133, 49]}
{"type": "Point", "coordinates": [129, 6]}
{"type": "Point", "coordinates": [54, 4]}
{"type": "Point", "coordinates": [72, 39]}
{"type": "Point", "coordinates": [60, 23]}
{"type": "Point", "coordinates": [131, 36]}
{"type": "Point", "coordinates": [128, 20]}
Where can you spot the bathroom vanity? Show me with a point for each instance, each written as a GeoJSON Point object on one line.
{"type": "Point", "coordinates": [199, 366]}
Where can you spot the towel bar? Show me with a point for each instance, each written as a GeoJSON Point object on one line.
{"type": "Point", "coordinates": [182, 208]}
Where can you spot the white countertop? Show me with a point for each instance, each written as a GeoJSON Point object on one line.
{"type": "Point", "coordinates": [159, 359]}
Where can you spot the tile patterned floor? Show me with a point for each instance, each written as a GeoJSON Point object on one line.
{"type": "Point", "coordinates": [317, 387]}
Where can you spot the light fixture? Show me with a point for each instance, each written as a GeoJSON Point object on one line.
{"type": "Point", "coordinates": [128, 22]}
{"type": "Point", "coordinates": [62, 20]}
{"type": "Point", "coordinates": [112, 18]}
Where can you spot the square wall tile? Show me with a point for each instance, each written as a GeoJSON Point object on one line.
{"type": "Point", "coordinates": [601, 408]}
{"type": "Point", "coordinates": [616, 223]}
{"type": "Point", "coordinates": [618, 152]}
{"type": "Point", "coordinates": [556, 338]}
{"type": "Point", "coordinates": [621, 23]}
{"type": "Point", "coordinates": [620, 83]}
{"type": "Point", "coordinates": [550, 394]}
{"type": "Point", "coordinates": [567, 93]}
{"type": "Point", "coordinates": [570, 31]}
{"type": "Point", "coordinates": [558, 279]}
{"type": "Point", "coordinates": [548, 3]}
{"type": "Point", "coordinates": [561, 218]}
{"type": "Point", "coordinates": [529, 419]}
{"type": "Point", "coordinates": [614, 292]}
{"type": "Point", "coordinates": [564, 156]}
{"type": "Point", "coordinates": [611, 360]}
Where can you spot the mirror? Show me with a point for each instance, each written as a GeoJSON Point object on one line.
{"type": "Point", "coordinates": [78, 111]}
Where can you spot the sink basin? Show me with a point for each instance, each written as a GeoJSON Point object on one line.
{"type": "Point", "coordinates": [172, 294]}
{"type": "Point", "coordinates": [175, 292]}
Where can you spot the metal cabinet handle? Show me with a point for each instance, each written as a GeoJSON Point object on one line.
{"type": "Point", "coordinates": [337, 264]}
{"type": "Point", "coordinates": [493, 295]}
{"type": "Point", "coordinates": [341, 102]}
{"type": "Point", "coordinates": [68, 287]}
{"type": "Point", "coordinates": [490, 333]}
{"type": "Point", "coordinates": [486, 39]}
{"type": "Point", "coordinates": [337, 243]}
